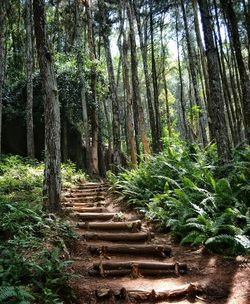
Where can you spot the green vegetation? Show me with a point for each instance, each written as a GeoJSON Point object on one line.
{"type": "Point", "coordinates": [190, 194]}
{"type": "Point", "coordinates": [32, 243]}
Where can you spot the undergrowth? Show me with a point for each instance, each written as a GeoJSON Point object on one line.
{"type": "Point", "coordinates": [190, 194]}
{"type": "Point", "coordinates": [33, 255]}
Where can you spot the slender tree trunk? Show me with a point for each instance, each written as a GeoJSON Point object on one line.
{"type": "Point", "coordinates": [128, 96]}
{"type": "Point", "coordinates": [165, 81]}
{"type": "Point", "coordinates": [181, 92]}
{"type": "Point", "coordinates": [112, 88]}
{"type": "Point", "coordinates": [227, 94]}
{"type": "Point", "coordinates": [155, 85]}
{"type": "Point", "coordinates": [203, 63]}
{"type": "Point", "coordinates": [52, 172]}
{"type": "Point", "coordinates": [95, 120]}
{"type": "Point", "coordinates": [247, 18]}
{"type": "Point", "coordinates": [217, 114]}
{"type": "Point", "coordinates": [29, 72]}
{"type": "Point", "coordinates": [151, 111]}
{"type": "Point", "coordinates": [193, 74]}
{"type": "Point", "coordinates": [80, 62]}
{"type": "Point", "coordinates": [135, 80]}
{"type": "Point", "coordinates": [244, 78]}
{"type": "Point", "coordinates": [2, 17]}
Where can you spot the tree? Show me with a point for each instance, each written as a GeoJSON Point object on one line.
{"type": "Point", "coordinates": [29, 77]}
{"type": "Point", "coordinates": [2, 17]}
{"type": "Point", "coordinates": [112, 87]}
{"type": "Point", "coordinates": [135, 80]}
{"type": "Point", "coordinates": [127, 87]}
{"type": "Point", "coordinates": [245, 81]}
{"type": "Point", "coordinates": [216, 108]}
{"type": "Point", "coordinates": [95, 121]}
{"type": "Point", "coordinates": [52, 172]}
{"type": "Point", "coordinates": [193, 73]}
{"type": "Point", "coordinates": [79, 56]}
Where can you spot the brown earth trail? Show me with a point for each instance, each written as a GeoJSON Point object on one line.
{"type": "Point", "coordinates": [118, 258]}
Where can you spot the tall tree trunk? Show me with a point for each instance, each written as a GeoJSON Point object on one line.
{"type": "Point", "coordinates": [244, 78]}
{"type": "Point", "coordinates": [2, 17]}
{"type": "Point", "coordinates": [247, 18]}
{"type": "Point", "coordinates": [143, 47]}
{"type": "Point", "coordinates": [29, 72]}
{"type": "Point", "coordinates": [203, 63]}
{"type": "Point", "coordinates": [52, 172]}
{"type": "Point", "coordinates": [216, 109]}
{"type": "Point", "coordinates": [155, 85]}
{"type": "Point", "coordinates": [128, 96]}
{"type": "Point", "coordinates": [227, 94]}
{"type": "Point", "coordinates": [80, 62]}
{"type": "Point", "coordinates": [165, 86]}
{"type": "Point", "coordinates": [94, 107]}
{"type": "Point", "coordinates": [112, 88]}
{"type": "Point", "coordinates": [181, 91]}
{"type": "Point", "coordinates": [193, 74]}
{"type": "Point", "coordinates": [135, 80]}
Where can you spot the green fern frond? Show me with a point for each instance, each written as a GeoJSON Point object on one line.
{"type": "Point", "coordinates": [17, 293]}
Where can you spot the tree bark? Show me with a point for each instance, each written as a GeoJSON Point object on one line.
{"type": "Point", "coordinates": [143, 47]}
{"type": "Point", "coordinates": [125, 70]}
{"type": "Point", "coordinates": [244, 78]}
{"type": "Point", "coordinates": [79, 50]}
{"type": "Point", "coordinates": [52, 172]}
{"type": "Point", "coordinates": [135, 80]}
{"type": "Point", "coordinates": [155, 84]}
{"type": "Point", "coordinates": [95, 120]}
{"type": "Point", "coordinates": [112, 88]}
{"type": "Point", "coordinates": [165, 86]}
{"type": "Point", "coordinates": [193, 74]}
{"type": "Point", "coordinates": [29, 78]}
{"type": "Point", "coordinates": [216, 109]}
{"type": "Point", "coordinates": [181, 93]}
{"type": "Point", "coordinates": [2, 18]}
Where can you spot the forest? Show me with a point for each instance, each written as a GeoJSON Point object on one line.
{"type": "Point", "coordinates": [149, 97]}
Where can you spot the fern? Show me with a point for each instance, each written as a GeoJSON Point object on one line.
{"type": "Point", "coordinates": [11, 293]}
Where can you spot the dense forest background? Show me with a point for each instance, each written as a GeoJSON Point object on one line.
{"type": "Point", "coordinates": [149, 97]}
{"type": "Point", "coordinates": [129, 74]}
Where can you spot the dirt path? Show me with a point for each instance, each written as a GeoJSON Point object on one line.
{"type": "Point", "coordinates": [119, 259]}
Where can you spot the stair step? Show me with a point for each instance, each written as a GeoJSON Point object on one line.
{"type": "Point", "coordinates": [85, 204]}
{"type": "Point", "coordinates": [177, 267]}
{"type": "Point", "coordinates": [83, 199]}
{"type": "Point", "coordinates": [133, 225]}
{"type": "Point", "coordinates": [83, 194]}
{"type": "Point", "coordinates": [95, 216]}
{"type": "Point", "coordinates": [155, 250]}
{"type": "Point", "coordinates": [148, 296]}
{"type": "Point", "coordinates": [119, 237]}
{"type": "Point", "coordinates": [87, 209]}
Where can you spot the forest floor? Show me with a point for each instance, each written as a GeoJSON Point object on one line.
{"type": "Point", "coordinates": [214, 278]}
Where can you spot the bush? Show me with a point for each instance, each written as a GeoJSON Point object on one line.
{"type": "Point", "coordinates": [32, 243]}
{"type": "Point", "coordinates": [200, 201]}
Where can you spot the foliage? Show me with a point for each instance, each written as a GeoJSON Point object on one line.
{"type": "Point", "coordinates": [187, 191]}
{"type": "Point", "coordinates": [33, 268]}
